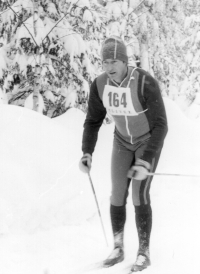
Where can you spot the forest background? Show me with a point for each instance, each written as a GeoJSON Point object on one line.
{"type": "Point", "coordinates": [50, 49]}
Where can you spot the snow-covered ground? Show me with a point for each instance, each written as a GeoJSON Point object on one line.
{"type": "Point", "coordinates": [48, 217]}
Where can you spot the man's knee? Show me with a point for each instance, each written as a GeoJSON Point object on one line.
{"type": "Point", "coordinates": [143, 209]}
{"type": "Point", "coordinates": [117, 201]}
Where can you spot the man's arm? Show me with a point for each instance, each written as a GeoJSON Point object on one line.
{"type": "Point", "coordinates": [156, 116]}
{"type": "Point", "coordinates": [94, 119]}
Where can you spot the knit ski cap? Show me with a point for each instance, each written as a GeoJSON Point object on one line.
{"type": "Point", "coordinates": [114, 48]}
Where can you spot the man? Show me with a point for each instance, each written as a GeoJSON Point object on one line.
{"type": "Point", "coordinates": [133, 98]}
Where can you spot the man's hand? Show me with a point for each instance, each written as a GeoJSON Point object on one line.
{"type": "Point", "coordinates": [139, 171]}
{"type": "Point", "coordinates": [85, 163]}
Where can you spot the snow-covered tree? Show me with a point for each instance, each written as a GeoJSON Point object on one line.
{"type": "Point", "coordinates": [49, 53]}
{"type": "Point", "coordinates": [51, 49]}
{"type": "Point", "coordinates": [163, 37]}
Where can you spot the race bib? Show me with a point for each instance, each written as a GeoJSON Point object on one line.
{"type": "Point", "coordinates": [118, 101]}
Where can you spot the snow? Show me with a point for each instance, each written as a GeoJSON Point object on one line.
{"type": "Point", "coordinates": [29, 103]}
{"type": "Point", "coordinates": [28, 31]}
{"type": "Point", "coordinates": [175, 28]}
{"type": "Point", "coordinates": [87, 16]}
{"type": "Point", "coordinates": [48, 217]}
{"type": "Point", "coordinates": [3, 64]}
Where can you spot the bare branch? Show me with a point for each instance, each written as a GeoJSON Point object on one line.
{"type": "Point", "coordinates": [8, 9]}
{"type": "Point", "coordinates": [35, 11]}
{"type": "Point", "coordinates": [66, 35]}
{"type": "Point", "coordinates": [60, 20]}
{"type": "Point", "coordinates": [139, 5]}
{"type": "Point", "coordinates": [133, 42]}
{"type": "Point", "coordinates": [4, 11]}
{"type": "Point", "coordinates": [56, 58]}
{"type": "Point", "coordinates": [23, 24]}
{"type": "Point", "coordinates": [136, 7]}
{"type": "Point", "coordinates": [137, 17]}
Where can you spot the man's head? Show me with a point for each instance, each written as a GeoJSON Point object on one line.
{"type": "Point", "coordinates": [114, 58]}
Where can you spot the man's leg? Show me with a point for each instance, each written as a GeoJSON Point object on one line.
{"type": "Point", "coordinates": [121, 162]}
{"type": "Point", "coordinates": [143, 219]}
{"type": "Point", "coordinates": [118, 219]}
{"type": "Point", "coordinates": [143, 214]}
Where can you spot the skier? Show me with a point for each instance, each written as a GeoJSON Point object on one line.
{"type": "Point", "coordinates": [133, 98]}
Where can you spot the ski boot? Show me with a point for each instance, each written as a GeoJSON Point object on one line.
{"type": "Point", "coordinates": [115, 257]}
{"type": "Point", "coordinates": [142, 262]}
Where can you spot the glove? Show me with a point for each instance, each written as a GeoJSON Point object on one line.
{"type": "Point", "coordinates": [139, 171]}
{"type": "Point", "coordinates": [85, 163]}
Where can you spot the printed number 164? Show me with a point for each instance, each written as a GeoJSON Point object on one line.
{"type": "Point", "coordinates": [115, 101]}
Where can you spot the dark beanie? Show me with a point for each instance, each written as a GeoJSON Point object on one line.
{"type": "Point", "coordinates": [114, 48]}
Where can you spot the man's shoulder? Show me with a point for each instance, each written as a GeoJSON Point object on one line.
{"type": "Point", "coordinates": [101, 76]}
{"type": "Point", "coordinates": [143, 72]}
{"type": "Point", "coordinates": [98, 84]}
{"type": "Point", "coordinates": [101, 80]}
{"type": "Point", "coordinates": [149, 79]}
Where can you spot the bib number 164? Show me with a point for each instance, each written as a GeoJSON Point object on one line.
{"type": "Point", "coordinates": [116, 101]}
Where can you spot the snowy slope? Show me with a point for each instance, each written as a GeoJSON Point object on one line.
{"type": "Point", "coordinates": [48, 218]}
{"type": "Point", "coordinates": [36, 160]}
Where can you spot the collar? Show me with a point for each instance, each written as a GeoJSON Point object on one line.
{"type": "Point", "coordinates": [127, 79]}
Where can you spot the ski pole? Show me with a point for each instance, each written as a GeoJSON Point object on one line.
{"type": "Point", "coordinates": [172, 174]}
{"type": "Point", "coordinates": [90, 179]}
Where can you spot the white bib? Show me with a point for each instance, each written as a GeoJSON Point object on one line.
{"type": "Point", "coordinates": [118, 101]}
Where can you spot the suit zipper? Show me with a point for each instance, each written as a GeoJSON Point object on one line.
{"type": "Point", "coordinates": [126, 118]}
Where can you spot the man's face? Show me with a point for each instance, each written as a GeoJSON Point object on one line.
{"type": "Point", "coordinates": [115, 69]}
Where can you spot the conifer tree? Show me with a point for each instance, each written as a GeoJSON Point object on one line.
{"type": "Point", "coordinates": [49, 53]}
{"type": "Point", "coordinates": [50, 49]}
{"type": "Point", "coordinates": [163, 38]}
